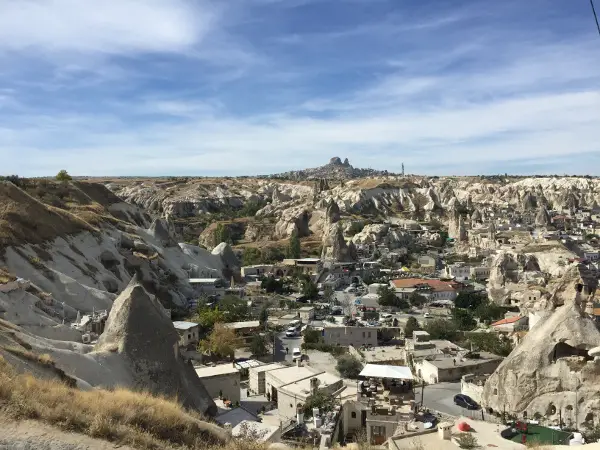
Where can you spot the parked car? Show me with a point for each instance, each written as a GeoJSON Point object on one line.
{"type": "Point", "coordinates": [296, 354]}
{"type": "Point", "coordinates": [464, 401]}
{"type": "Point", "coordinates": [291, 332]}
{"type": "Point", "coordinates": [427, 316]}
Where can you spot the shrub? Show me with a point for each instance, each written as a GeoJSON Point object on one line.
{"type": "Point", "coordinates": [466, 440]}
{"type": "Point", "coordinates": [348, 366]}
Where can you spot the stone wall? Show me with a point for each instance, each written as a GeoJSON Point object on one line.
{"type": "Point", "coordinates": [472, 386]}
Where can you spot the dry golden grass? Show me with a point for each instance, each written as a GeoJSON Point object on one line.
{"type": "Point", "coordinates": [6, 276]}
{"type": "Point", "coordinates": [25, 219]}
{"type": "Point", "coordinates": [44, 359]}
{"type": "Point", "coordinates": [130, 418]}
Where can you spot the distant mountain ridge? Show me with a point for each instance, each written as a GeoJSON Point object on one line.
{"type": "Point", "coordinates": [335, 169]}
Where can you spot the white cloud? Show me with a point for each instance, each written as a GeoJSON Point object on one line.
{"type": "Point", "coordinates": [107, 26]}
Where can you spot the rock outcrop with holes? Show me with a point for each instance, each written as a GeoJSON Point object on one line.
{"type": "Point", "coordinates": [140, 333]}
{"type": "Point", "coordinates": [515, 278]}
{"type": "Point", "coordinates": [335, 247]}
{"type": "Point", "coordinates": [551, 374]}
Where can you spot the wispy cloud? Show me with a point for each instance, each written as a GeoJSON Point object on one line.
{"type": "Point", "coordinates": [168, 87]}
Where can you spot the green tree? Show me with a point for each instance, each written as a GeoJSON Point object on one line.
{"type": "Point", "coordinates": [270, 285]}
{"type": "Point", "coordinates": [411, 325]}
{"type": "Point", "coordinates": [259, 345]}
{"type": "Point", "coordinates": [263, 316]}
{"type": "Point", "coordinates": [417, 300]}
{"type": "Point", "coordinates": [312, 336]}
{"type": "Point", "coordinates": [251, 256]}
{"type": "Point", "coordinates": [489, 342]}
{"type": "Point", "coordinates": [222, 341]}
{"type": "Point", "coordinates": [207, 317]}
{"type": "Point", "coordinates": [63, 175]}
{"type": "Point", "coordinates": [463, 319]}
{"type": "Point", "coordinates": [442, 329]}
{"type": "Point", "coordinates": [349, 366]}
{"type": "Point", "coordinates": [310, 290]}
{"type": "Point", "coordinates": [328, 294]}
{"type": "Point", "coordinates": [489, 312]}
{"type": "Point", "coordinates": [294, 249]}
{"type": "Point", "coordinates": [469, 300]}
{"type": "Point", "coordinates": [221, 234]}
{"type": "Point", "coordinates": [321, 400]}
{"type": "Point", "coordinates": [234, 308]}
{"type": "Point", "coordinates": [387, 297]}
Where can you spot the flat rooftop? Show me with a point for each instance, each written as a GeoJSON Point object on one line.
{"type": "Point", "coordinates": [179, 325]}
{"type": "Point", "coordinates": [302, 388]}
{"type": "Point", "coordinates": [241, 325]}
{"type": "Point", "coordinates": [221, 369]}
{"type": "Point", "coordinates": [282, 377]}
{"type": "Point", "coordinates": [266, 367]}
{"type": "Point", "coordinates": [382, 354]}
{"type": "Point", "coordinates": [449, 362]}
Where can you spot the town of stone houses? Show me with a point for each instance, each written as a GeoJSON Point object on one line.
{"type": "Point", "coordinates": [391, 311]}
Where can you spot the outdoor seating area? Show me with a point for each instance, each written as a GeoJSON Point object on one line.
{"type": "Point", "coordinates": [531, 433]}
{"type": "Point", "coordinates": [388, 384]}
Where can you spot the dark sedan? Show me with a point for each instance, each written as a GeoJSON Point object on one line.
{"type": "Point", "coordinates": [464, 401]}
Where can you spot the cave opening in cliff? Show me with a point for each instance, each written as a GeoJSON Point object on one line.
{"type": "Point", "coordinates": [564, 350]}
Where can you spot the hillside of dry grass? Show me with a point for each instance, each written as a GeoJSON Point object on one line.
{"type": "Point", "coordinates": [136, 419]}
{"type": "Point", "coordinates": [24, 219]}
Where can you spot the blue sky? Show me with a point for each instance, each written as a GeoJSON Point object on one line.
{"type": "Point", "coordinates": [232, 87]}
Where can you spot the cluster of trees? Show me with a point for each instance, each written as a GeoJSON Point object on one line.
{"type": "Point", "coordinates": [222, 234]}
{"type": "Point", "coordinates": [480, 306]}
{"type": "Point", "coordinates": [272, 285]}
{"type": "Point", "coordinates": [387, 297]}
{"type": "Point", "coordinates": [266, 255]}
{"type": "Point", "coordinates": [229, 309]}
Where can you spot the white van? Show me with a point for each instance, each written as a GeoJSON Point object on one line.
{"type": "Point", "coordinates": [386, 317]}
{"type": "Point", "coordinates": [296, 354]}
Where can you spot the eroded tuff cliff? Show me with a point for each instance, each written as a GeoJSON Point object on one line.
{"type": "Point", "coordinates": [140, 336]}
{"type": "Point", "coordinates": [70, 248]}
{"type": "Point", "coordinates": [294, 204]}
{"type": "Point", "coordinates": [551, 373]}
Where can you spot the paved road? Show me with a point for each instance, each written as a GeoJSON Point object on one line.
{"type": "Point", "coordinates": [440, 397]}
{"type": "Point", "coordinates": [281, 342]}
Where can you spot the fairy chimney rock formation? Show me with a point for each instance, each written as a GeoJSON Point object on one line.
{"type": "Point", "coordinates": [139, 332]}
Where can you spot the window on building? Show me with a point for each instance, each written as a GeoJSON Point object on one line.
{"type": "Point", "coordinates": [363, 334]}
{"type": "Point", "coordinates": [377, 430]}
{"type": "Point", "coordinates": [353, 415]}
{"type": "Point", "coordinates": [189, 336]}
{"type": "Point", "coordinates": [369, 334]}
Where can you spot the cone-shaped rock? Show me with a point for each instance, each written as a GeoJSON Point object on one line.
{"type": "Point", "coordinates": [139, 331]}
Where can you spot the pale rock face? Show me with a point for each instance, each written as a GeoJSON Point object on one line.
{"type": "Point", "coordinates": [542, 219]}
{"type": "Point", "coordinates": [143, 338]}
{"type": "Point", "coordinates": [543, 372]}
{"type": "Point", "coordinates": [294, 219]}
{"type": "Point", "coordinates": [335, 247]}
{"type": "Point", "coordinates": [382, 233]}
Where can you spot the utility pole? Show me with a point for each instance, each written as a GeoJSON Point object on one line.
{"type": "Point", "coordinates": [422, 393]}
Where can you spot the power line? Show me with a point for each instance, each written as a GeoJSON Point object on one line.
{"type": "Point", "coordinates": [595, 16]}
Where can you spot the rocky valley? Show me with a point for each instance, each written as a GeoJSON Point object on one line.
{"type": "Point", "coordinates": [126, 254]}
